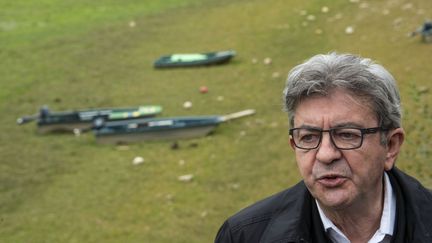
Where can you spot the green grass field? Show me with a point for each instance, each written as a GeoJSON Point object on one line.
{"type": "Point", "coordinates": [80, 54]}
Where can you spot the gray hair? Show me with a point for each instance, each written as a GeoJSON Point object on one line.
{"type": "Point", "coordinates": [362, 77]}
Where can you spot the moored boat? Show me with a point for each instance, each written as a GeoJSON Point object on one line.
{"type": "Point", "coordinates": [194, 59]}
{"type": "Point", "coordinates": [82, 120]}
{"type": "Point", "coordinates": [173, 128]}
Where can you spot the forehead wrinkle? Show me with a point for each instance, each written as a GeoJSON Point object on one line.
{"type": "Point", "coordinates": [340, 119]}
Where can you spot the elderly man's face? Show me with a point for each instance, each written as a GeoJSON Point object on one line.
{"type": "Point", "coordinates": [342, 178]}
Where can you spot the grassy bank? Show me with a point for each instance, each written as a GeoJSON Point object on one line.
{"type": "Point", "coordinates": [63, 188]}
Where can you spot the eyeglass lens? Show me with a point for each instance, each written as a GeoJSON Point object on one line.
{"type": "Point", "coordinates": [343, 138]}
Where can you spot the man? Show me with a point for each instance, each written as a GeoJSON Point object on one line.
{"type": "Point", "coordinates": [346, 133]}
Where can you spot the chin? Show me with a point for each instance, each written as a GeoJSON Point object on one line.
{"type": "Point", "coordinates": [334, 205]}
{"type": "Point", "coordinates": [334, 200]}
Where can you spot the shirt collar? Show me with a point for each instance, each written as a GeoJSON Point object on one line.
{"type": "Point", "coordinates": [387, 218]}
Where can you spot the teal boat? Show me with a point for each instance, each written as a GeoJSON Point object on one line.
{"type": "Point", "coordinates": [172, 128]}
{"type": "Point", "coordinates": [82, 120]}
{"type": "Point", "coordinates": [194, 59]}
{"type": "Point", "coordinates": [425, 31]}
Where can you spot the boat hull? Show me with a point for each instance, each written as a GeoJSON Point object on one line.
{"type": "Point", "coordinates": [175, 128]}
{"type": "Point", "coordinates": [171, 134]}
{"type": "Point", "coordinates": [83, 120]}
{"type": "Point", "coordinates": [194, 60]}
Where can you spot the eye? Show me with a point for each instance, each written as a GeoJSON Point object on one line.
{"type": "Point", "coordinates": [307, 136]}
{"type": "Point", "coordinates": [347, 134]}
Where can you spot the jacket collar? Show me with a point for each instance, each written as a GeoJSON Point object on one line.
{"type": "Point", "coordinates": [298, 221]}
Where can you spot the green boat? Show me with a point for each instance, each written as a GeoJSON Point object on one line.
{"type": "Point", "coordinates": [194, 59]}
{"type": "Point", "coordinates": [170, 128]}
{"type": "Point", "coordinates": [425, 31]}
{"type": "Point", "coordinates": [82, 120]}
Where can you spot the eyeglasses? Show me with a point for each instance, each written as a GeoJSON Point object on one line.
{"type": "Point", "coordinates": [344, 138]}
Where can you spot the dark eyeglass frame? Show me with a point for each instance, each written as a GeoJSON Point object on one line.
{"type": "Point", "coordinates": [363, 131]}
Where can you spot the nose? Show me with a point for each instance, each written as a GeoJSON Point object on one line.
{"type": "Point", "coordinates": [327, 151]}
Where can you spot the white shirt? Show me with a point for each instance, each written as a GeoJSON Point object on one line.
{"type": "Point", "coordinates": [385, 231]}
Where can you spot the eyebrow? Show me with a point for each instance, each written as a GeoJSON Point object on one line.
{"type": "Point", "coordinates": [340, 125]}
{"type": "Point", "coordinates": [348, 124]}
{"type": "Point", "coordinates": [310, 127]}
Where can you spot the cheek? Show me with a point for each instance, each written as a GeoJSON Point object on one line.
{"type": "Point", "coordinates": [305, 161]}
{"type": "Point", "coordinates": [366, 166]}
{"type": "Point", "coordinates": [374, 153]}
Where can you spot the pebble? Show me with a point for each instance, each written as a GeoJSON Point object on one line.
{"type": "Point", "coordinates": [138, 160]}
{"type": "Point", "coordinates": [203, 89]}
{"type": "Point", "coordinates": [349, 30]}
{"type": "Point", "coordinates": [422, 89]}
{"type": "Point", "coordinates": [311, 17]}
{"type": "Point", "coordinates": [185, 178]}
{"type": "Point", "coordinates": [267, 61]}
{"type": "Point", "coordinates": [187, 105]}
{"type": "Point", "coordinates": [324, 9]}
{"type": "Point", "coordinates": [77, 132]}
{"type": "Point", "coordinates": [235, 186]}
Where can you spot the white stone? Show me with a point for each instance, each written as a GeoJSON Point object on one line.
{"type": "Point", "coordinates": [185, 178]}
{"type": "Point", "coordinates": [324, 9]}
{"type": "Point", "coordinates": [138, 160]}
{"type": "Point", "coordinates": [77, 132]}
{"type": "Point", "coordinates": [187, 105]}
{"type": "Point", "coordinates": [267, 61]}
{"type": "Point", "coordinates": [349, 30]}
{"type": "Point", "coordinates": [311, 17]}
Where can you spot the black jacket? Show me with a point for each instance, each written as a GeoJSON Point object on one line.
{"type": "Point", "coordinates": [292, 216]}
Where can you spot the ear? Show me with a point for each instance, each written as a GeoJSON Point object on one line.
{"type": "Point", "coordinates": [395, 139]}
